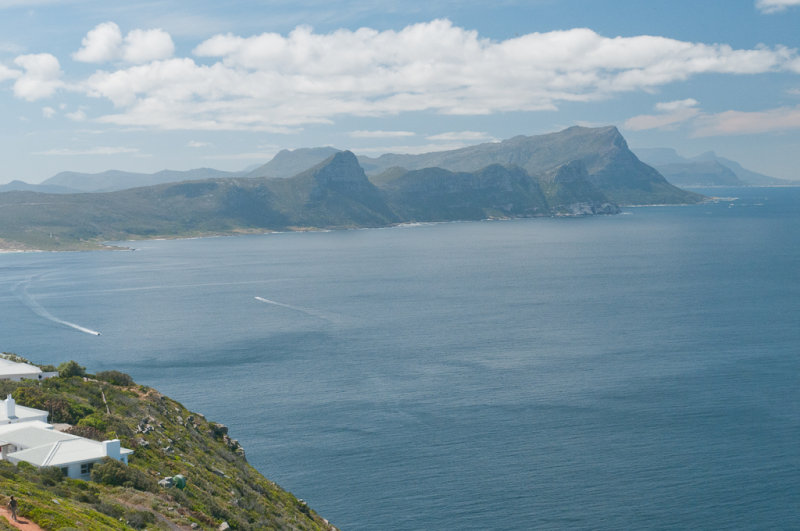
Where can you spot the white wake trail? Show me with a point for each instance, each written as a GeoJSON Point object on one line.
{"type": "Point", "coordinates": [21, 291]}
{"type": "Point", "coordinates": [306, 311]}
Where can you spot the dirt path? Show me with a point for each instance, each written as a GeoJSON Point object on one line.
{"type": "Point", "coordinates": [21, 523]}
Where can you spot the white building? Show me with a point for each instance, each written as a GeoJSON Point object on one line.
{"type": "Point", "coordinates": [11, 413]}
{"type": "Point", "coordinates": [36, 442]}
{"type": "Point", "coordinates": [26, 436]}
{"type": "Point", "coordinates": [12, 370]}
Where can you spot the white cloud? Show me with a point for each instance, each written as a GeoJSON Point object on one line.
{"type": "Point", "coordinates": [197, 144]}
{"type": "Point", "coordinates": [48, 112]}
{"type": "Point", "coordinates": [672, 106]}
{"type": "Point", "coordinates": [8, 73]}
{"type": "Point", "coordinates": [279, 83]}
{"type": "Point", "coordinates": [380, 134]}
{"type": "Point", "coordinates": [100, 150]}
{"type": "Point", "coordinates": [105, 43]}
{"type": "Point", "coordinates": [673, 113]}
{"type": "Point", "coordinates": [702, 124]}
{"type": "Point", "coordinates": [775, 6]}
{"type": "Point", "coordinates": [41, 77]}
{"type": "Point", "coordinates": [142, 46]}
{"type": "Point", "coordinates": [740, 122]}
{"type": "Point", "coordinates": [77, 116]}
{"type": "Point", "coordinates": [461, 135]}
{"type": "Point", "coordinates": [101, 44]}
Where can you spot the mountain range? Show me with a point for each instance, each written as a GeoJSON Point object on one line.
{"type": "Point", "coordinates": [71, 182]}
{"type": "Point", "coordinates": [577, 171]}
{"type": "Point", "coordinates": [706, 169]}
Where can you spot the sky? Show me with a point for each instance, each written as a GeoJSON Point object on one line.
{"type": "Point", "coordinates": [89, 85]}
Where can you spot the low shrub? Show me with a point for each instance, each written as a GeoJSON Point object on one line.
{"type": "Point", "coordinates": [140, 519]}
{"type": "Point", "coordinates": [110, 509]}
{"type": "Point", "coordinates": [87, 432]}
{"type": "Point", "coordinates": [71, 368]}
{"type": "Point", "coordinates": [50, 475]}
{"type": "Point", "coordinates": [95, 420]}
{"type": "Point", "coordinates": [115, 377]}
{"type": "Point", "coordinates": [113, 472]}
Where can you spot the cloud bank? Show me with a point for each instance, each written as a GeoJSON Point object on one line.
{"type": "Point", "coordinates": [687, 113]}
{"type": "Point", "coordinates": [775, 6]}
{"type": "Point", "coordinates": [672, 114]}
{"type": "Point", "coordinates": [279, 83]}
{"type": "Point", "coordinates": [105, 43]}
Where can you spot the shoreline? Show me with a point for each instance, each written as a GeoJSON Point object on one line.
{"type": "Point", "coordinates": [113, 245]}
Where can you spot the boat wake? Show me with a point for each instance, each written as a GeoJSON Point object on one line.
{"type": "Point", "coordinates": [306, 311]}
{"type": "Point", "coordinates": [21, 291]}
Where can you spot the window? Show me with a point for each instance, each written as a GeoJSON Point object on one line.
{"type": "Point", "coordinates": [86, 468]}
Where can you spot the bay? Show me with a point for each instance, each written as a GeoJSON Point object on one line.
{"type": "Point", "coordinates": [630, 371]}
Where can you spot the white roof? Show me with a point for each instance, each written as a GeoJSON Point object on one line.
{"type": "Point", "coordinates": [64, 452]}
{"type": "Point", "coordinates": [43, 446]}
{"type": "Point", "coordinates": [5, 428]}
{"type": "Point", "coordinates": [31, 434]}
{"type": "Point", "coordinates": [20, 412]}
{"type": "Point", "coordinates": [12, 368]}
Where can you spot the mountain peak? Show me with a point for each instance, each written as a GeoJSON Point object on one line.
{"type": "Point", "coordinates": [341, 167]}
{"type": "Point", "coordinates": [288, 163]}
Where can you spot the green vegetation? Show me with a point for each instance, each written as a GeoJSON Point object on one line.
{"type": "Point", "coordinates": [70, 368]}
{"type": "Point", "coordinates": [167, 440]}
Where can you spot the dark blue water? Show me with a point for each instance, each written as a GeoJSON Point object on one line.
{"type": "Point", "coordinates": [632, 371]}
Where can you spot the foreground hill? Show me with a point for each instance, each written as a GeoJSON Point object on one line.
{"type": "Point", "coordinates": [221, 488]}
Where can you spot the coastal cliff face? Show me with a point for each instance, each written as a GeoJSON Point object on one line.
{"type": "Point", "coordinates": [569, 189]}
{"type": "Point", "coordinates": [435, 194]}
{"type": "Point", "coordinates": [222, 490]}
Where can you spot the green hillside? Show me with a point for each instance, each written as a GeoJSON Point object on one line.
{"type": "Point", "coordinates": [167, 439]}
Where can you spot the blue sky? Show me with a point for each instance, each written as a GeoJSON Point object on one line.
{"type": "Point", "coordinates": [147, 85]}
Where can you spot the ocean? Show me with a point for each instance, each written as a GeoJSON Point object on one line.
{"type": "Point", "coordinates": [637, 371]}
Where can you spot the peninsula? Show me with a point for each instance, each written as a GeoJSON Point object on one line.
{"type": "Point", "coordinates": [578, 171]}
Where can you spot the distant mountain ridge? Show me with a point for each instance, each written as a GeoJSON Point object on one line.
{"type": "Point", "coordinates": [18, 186]}
{"type": "Point", "coordinates": [536, 154]}
{"type": "Point", "coordinates": [706, 169]}
{"type": "Point", "coordinates": [579, 171]}
{"type": "Point", "coordinates": [115, 180]}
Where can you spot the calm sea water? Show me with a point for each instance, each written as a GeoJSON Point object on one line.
{"type": "Point", "coordinates": [632, 371]}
